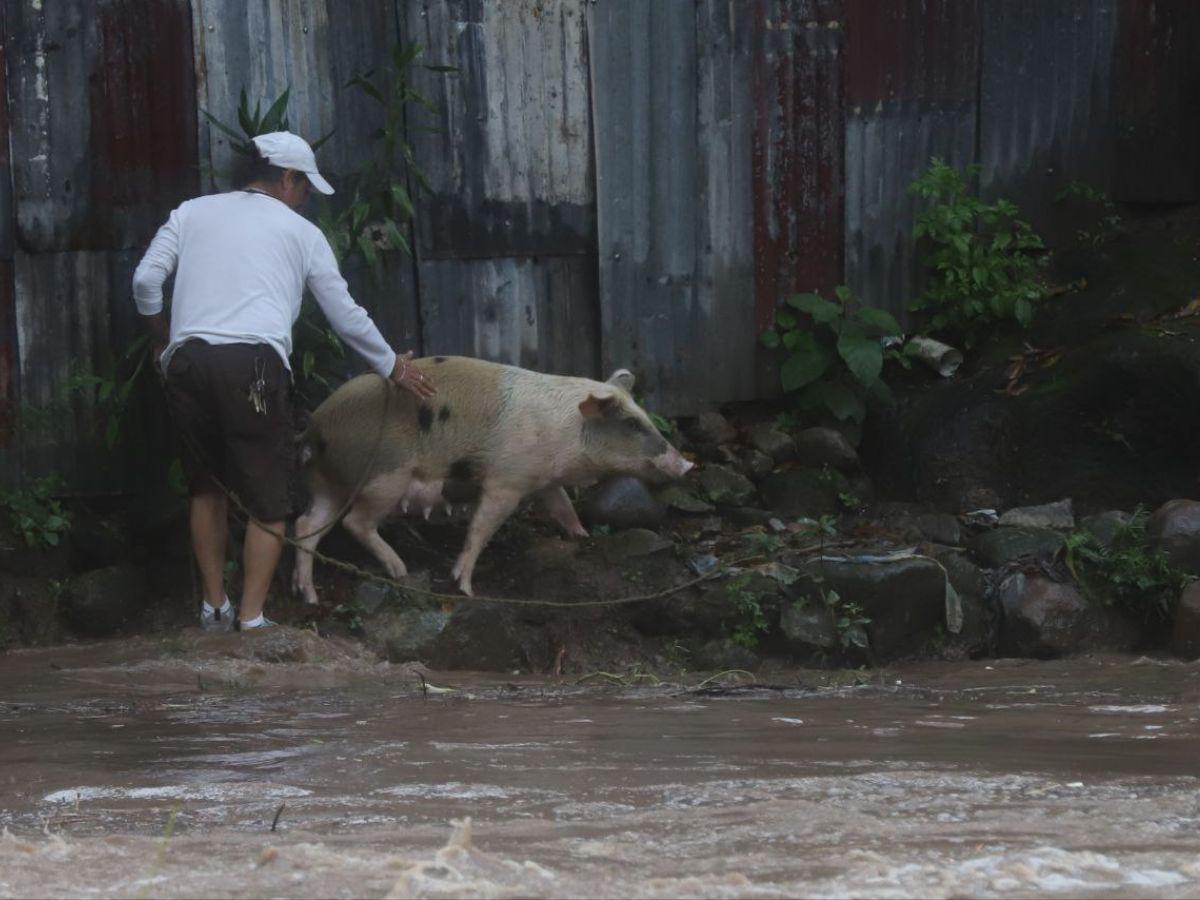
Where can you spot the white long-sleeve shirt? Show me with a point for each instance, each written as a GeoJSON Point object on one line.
{"type": "Point", "coordinates": [243, 260]}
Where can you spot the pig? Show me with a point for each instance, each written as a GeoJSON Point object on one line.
{"type": "Point", "coordinates": [497, 431]}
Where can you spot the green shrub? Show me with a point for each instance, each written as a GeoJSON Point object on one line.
{"type": "Point", "coordinates": [980, 256]}
{"type": "Point", "coordinates": [36, 515]}
{"type": "Point", "coordinates": [835, 357]}
{"type": "Point", "coordinates": [1130, 574]}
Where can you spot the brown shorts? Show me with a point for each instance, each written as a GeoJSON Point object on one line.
{"type": "Point", "coordinates": [222, 435]}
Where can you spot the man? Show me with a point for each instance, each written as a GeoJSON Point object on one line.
{"type": "Point", "coordinates": [242, 261]}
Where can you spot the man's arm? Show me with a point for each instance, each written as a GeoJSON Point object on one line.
{"type": "Point", "coordinates": [354, 325]}
{"type": "Point", "coordinates": [154, 269]}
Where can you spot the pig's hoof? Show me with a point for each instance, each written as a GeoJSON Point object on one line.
{"type": "Point", "coordinates": [579, 531]}
{"type": "Point", "coordinates": [464, 585]}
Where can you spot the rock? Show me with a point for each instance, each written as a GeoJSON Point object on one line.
{"type": "Point", "coordinates": [860, 490]}
{"type": "Point", "coordinates": [1185, 635]}
{"type": "Point", "coordinates": [1001, 546]}
{"type": "Point", "coordinates": [99, 602]}
{"type": "Point", "coordinates": [816, 447]}
{"type": "Point", "coordinates": [979, 497]}
{"type": "Point", "coordinates": [29, 612]}
{"type": "Point", "coordinates": [97, 541]}
{"type": "Point", "coordinates": [1175, 529]}
{"type": "Point", "coordinates": [479, 636]}
{"type": "Point", "coordinates": [905, 600]}
{"type": "Point", "coordinates": [724, 654]}
{"type": "Point", "coordinates": [1105, 526]}
{"type": "Point", "coordinates": [725, 487]}
{"type": "Point", "coordinates": [976, 634]}
{"type": "Point", "coordinates": [711, 611]}
{"type": "Point", "coordinates": [684, 497]}
{"type": "Point", "coordinates": [941, 528]}
{"type": "Point", "coordinates": [1043, 618]}
{"type": "Point", "coordinates": [712, 428]}
{"type": "Point", "coordinates": [371, 597]}
{"type": "Point", "coordinates": [767, 439]}
{"type": "Point", "coordinates": [1049, 515]}
{"type": "Point", "coordinates": [274, 645]}
{"type": "Point", "coordinates": [803, 492]}
{"type": "Point", "coordinates": [630, 544]}
{"type": "Point", "coordinates": [757, 464]}
{"type": "Point", "coordinates": [748, 515]}
{"type": "Point", "coordinates": [807, 627]}
{"type": "Point", "coordinates": [623, 502]}
{"type": "Point", "coordinates": [406, 635]}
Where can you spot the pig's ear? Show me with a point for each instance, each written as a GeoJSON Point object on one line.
{"type": "Point", "coordinates": [622, 378]}
{"type": "Point", "coordinates": [594, 407]}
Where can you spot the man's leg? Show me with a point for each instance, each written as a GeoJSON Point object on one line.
{"type": "Point", "coordinates": [210, 533]}
{"type": "Point", "coordinates": [260, 556]}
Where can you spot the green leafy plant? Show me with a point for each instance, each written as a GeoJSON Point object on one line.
{"type": "Point", "coordinates": [835, 357]}
{"type": "Point", "coordinates": [751, 621]}
{"type": "Point", "coordinates": [848, 620]}
{"type": "Point", "coordinates": [665, 426]}
{"type": "Point", "coordinates": [1109, 224]}
{"type": "Point", "coordinates": [257, 122]}
{"type": "Point", "coordinates": [980, 256]}
{"type": "Point", "coordinates": [380, 204]}
{"type": "Point", "coordinates": [1130, 573]}
{"type": "Point", "coordinates": [36, 514]}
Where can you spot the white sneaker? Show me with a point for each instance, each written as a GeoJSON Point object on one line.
{"type": "Point", "coordinates": [265, 623]}
{"type": "Point", "coordinates": [217, 620]}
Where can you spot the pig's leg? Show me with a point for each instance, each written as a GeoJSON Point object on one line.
{"type": "Point", "coordinates": [310, 528]}
{"type": "Point", "coordinates": [363, 522]}
{"type": "Point", "coordinates": [495, 505]}
{"type": "Point", "coordinates": [556, 504]}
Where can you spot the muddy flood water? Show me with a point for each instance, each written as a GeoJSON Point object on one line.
{"type": "Point", "coordinates": [202, 768]}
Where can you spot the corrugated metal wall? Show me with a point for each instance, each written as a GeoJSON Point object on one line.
{"type": "Point", "coordinates": [614, 182]}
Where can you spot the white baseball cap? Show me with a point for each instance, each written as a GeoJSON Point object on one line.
{"type": "Point", "coordinates": [290, 151]}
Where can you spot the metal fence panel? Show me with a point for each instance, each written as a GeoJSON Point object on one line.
{"type": "Point", "coordinates": [662, 146]}
{"type": "Point", "coordinates": [73, 315]}
{"type": "Point", "coordinates": [1045, 115]}
{"type": "Point", "coordinates": [510, 163]}
{"type": "Point", "coordinates": [911, 76]}
{"type": "Point", "coordinates": [103, 135]}
{"type": "Point", "coordinates": [1158, 95]}
{"type": "Point", "coordinates": [535, 312]}
{"type": "Point", "coordinates": [798, 150]}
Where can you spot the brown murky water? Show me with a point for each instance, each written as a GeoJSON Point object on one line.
{"type": "Point", "coordinates": [126, 773]}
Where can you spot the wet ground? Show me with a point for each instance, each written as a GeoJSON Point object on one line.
{"type": "Point", "coordinates": [200, 768]}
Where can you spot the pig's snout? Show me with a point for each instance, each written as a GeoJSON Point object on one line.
{"type": "Point", "coordinates": [672, 464]}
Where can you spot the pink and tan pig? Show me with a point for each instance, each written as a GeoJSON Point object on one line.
{"type": "Point", "coordinates": [507, 432]}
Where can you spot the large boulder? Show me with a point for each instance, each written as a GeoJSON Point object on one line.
{"type": "Point", "coordinates": [631, 544]}
{"type": "Point", "coordinates": [976, 632]}
{"type": "Point", "coordinates": [1001, 546]}
{"type": "Point", "coordinates": [1049, 515]}
{"type": "Point", "coordinates": [817, 447]}
{"type": "Point", "coordinates": [29, 612]}
{"type": "Point", "coordinates": [1043, 618]}
{"type": "Point", "coordinates": [766, 438]}
{"type": "Point", "coordinates": [39, 560]}
{"type": "Point", "coordinates": [725, 487]}
{"type": "Point", "coordinates": [622, 502]}
{"type": "Point", "coordinates": [479, 636]}
{"type": "Point", "coordinates": [807, 628]}
{"type": "Point", "coordinates": [407, 634]}
{"type": "Point", "coordinates": [1105, 526]}
{"type": "Point", "coordinates": [1185, 634]}
{"type": "Point", "coordinates": [684, 496]}
{"type": "Point", "coordinates": [1175, 529]}
{"type": "Point", "coordinates": [712, 428]}
{"type": "Point", "coordinates": [724, 654]}
{"type": "Point", "coordinates": [905, 599]}
{"type": "Point", "coordinates": [809, 493]}
{"type": "Point", "coordinates": [100, 602]}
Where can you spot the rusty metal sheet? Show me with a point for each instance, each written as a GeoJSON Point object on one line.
{"type": "Point", "coordinates": [1157, 98]}
{"type": "Point", "coordinates": [535, 312]}
{"type": "Point", "coordinates": [263, 47]}
{"type": "Point", "coordinates": [911, 87]}
{"type": "Point", "coordinates": [391, 299]}
{"type": "Point", "coordinates": [73, 315]}
{"type": "Point", "coordinates": [511, 163]}
{"type": "Point", "coordinates": [673, 135]}
{"type": "Point", "coordinates": [7, 213]}
{"type": "Point", "coordinates": [1045, 117]}
{"type": "Point", "coordinates": [798, 150]}
{"type": "Point", "coordinates": [103, 125]}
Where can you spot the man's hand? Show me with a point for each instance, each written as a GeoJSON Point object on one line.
{"type": "Point", "coordinates": [409, 378]}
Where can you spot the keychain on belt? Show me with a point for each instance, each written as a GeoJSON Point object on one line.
{"type": "Point", "coordinates": [258, 388]}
